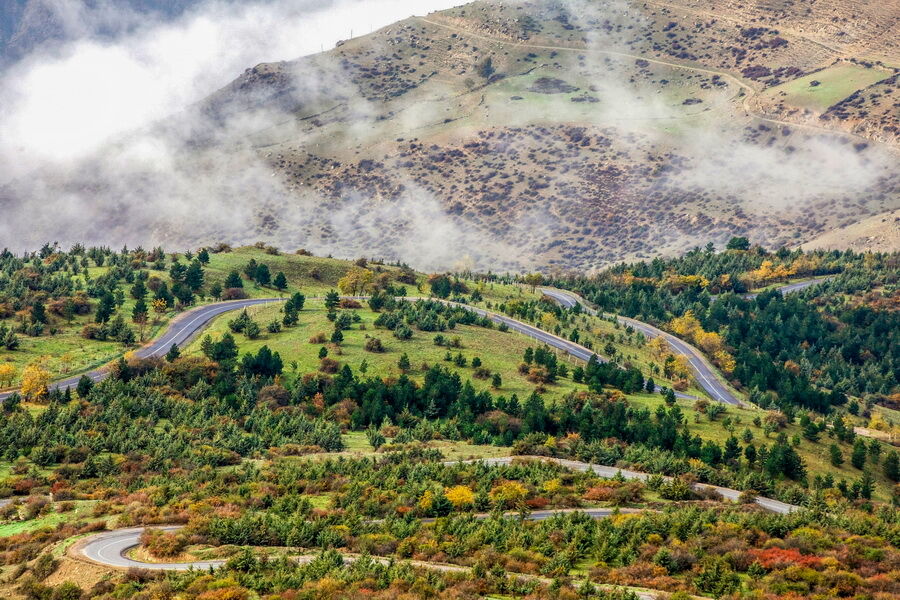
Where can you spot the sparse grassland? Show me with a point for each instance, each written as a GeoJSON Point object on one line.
{"type": "Point", "coordinates": [822, 89]}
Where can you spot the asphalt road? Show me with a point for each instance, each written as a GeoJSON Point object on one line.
{"type": "Point", "coordinates": [180, 331]}
{"type": "Point", "coordinates": [109, 548]}
{"type": "Point", "coordinates": [704, 372]}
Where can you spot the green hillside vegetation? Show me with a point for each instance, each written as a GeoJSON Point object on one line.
{"type": "Point", "coordinates": [68, 287]}
{"type": "Point", "coordinates": [498, 352]}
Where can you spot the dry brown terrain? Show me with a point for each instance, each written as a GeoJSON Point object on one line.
{"type": "Point", "coordinates": [536, 133]}
{"type": "Point", "coordinates": [578, 134]}
{"type": "Point", "coordinates": [879, 233]}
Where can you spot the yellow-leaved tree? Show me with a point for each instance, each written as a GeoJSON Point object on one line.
{"type": "Point", "coordinates": [7, 374]}
{"type": "Point", "coordinates": [35, 380]}
{"type": "Point", "coordinates": [356, 281]}
{"type": "Point", "coordinates": [508, 494]}
{"type": "Point", "coordinates": [460, 496]}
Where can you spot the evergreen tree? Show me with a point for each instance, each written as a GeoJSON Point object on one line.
{"type": "Point", "coordinates": [105, 308]}
{"type": "Point", "coordinates": [234, 280]}
{"type": "Point", "coordinates": [858, 457]}
{"type": "Point", "coordinates": [403, 364]}
{"type": "Point", "coordinates": [139, 290]}
{"type": "Point", "coordinates": [84, 387]}
{"type": "Point", "coordinates": [837, 457]}
{"type": "Point", "coordinates": [263, 275]}
{"type": "Point", "coordinates": [332, 299]}
{"type": "Point", "coordinates": [173, 353]}
{"type": "Point", "coordinates": [280, 281]}
{"type": "Point", "coordinates": [193, 277]}
{"type": "Point", "coordinates": [38, 312]}
{"type": "Point", "coordinates": [891, 466]}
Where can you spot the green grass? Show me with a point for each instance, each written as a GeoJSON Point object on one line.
{"type": "Point", "coordinates": [357, 446]}
{"type": "Point", "coordinates": [499, 352]}
{"type": "Point", "coordinates": [815, 454]}
{"type": "Point", "coordinates": [52, 519]}
{"type": "Point", "coordinates": [321, 501]}
{"type": "Point", "coordinates": [313, 275]}
{"type": "Point", "coordinates": [835, 84]}
{"type": "Point", "coordinates": [67, 353]}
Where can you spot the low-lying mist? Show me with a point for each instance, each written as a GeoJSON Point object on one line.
{"type": "Point", "coordinates": [103, 140]}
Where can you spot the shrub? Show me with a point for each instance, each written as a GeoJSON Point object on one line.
{"type": "Point", "coordinates": [163, 544]}
{"type": "Point", "coordinates": [329, 365]}
{"type": "Point", "coordinates": [374, 344]}
{"type": "Point", "coordinates": [234, 294]}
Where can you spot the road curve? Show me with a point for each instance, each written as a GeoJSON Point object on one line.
{"type": "Point", "coordinates": [702, 370]}
{"type": "Point", "coordinates": [775, 506]}
{"type": "Point", "coordinates": [790, 288]}
{"type": "Point", "coordinates": [181, 330]}
{"type": "Point", "coordinates": [110, 548]}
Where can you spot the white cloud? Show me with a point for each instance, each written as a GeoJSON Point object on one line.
{"type": "Point", "coordinates": [64, 104]}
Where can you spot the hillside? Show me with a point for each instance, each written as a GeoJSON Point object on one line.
{"type": "Point", "coordinates": [324, 442]}
{"type": "Point", "coordinates": [575, 138]}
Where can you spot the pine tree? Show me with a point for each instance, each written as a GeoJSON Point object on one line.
{"type": "Point", "coordinates": [891, 466]}
{"type": "Point", "coordinates": [38, 312]}
{"type": "Point", "coordinates": [173, 353]}
{"type": "Point", "coordinates": [858, 457]}
{"type": "Point", "coordinates": [105, 308]}
{"type": "Point", "coordinates": [193, 277]}
{"type": "Point", "coordinates": [332, 299]}
{"type": "Point", "coordinates": [234, 280]}
{"type": "Point", "coordinates": [84, 387]}
{"type": "Point", "coordinates": [280, 282]}
{"type": "Point", "coordinates": [837, 457]}
{"type": "Point", "coordinates": [138, 290]}
{"type": "Point", "coordinates": [263, 275]}
{"type": "Point", "coordinates": [403, 364]}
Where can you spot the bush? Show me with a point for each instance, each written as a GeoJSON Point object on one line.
{"type": "Point", "coordinates": [329, 365]}
{"type": "Point", "coordinates": [163, 544]}
{"type": "Point", "coordinates": [374, 344]}
{"type": "Point", "coordinates": [234, 294]}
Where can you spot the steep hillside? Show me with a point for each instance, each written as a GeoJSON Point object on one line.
{"type": "Point", "coordinates": [512, 136]}
{"type": "Point", "coordinates": [556, 133]}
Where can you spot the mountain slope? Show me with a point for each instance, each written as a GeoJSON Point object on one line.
{"type": "Point", "coordinates": [582, 134]}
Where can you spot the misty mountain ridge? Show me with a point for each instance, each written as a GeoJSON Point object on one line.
{"type": "Point", "coordinates": [520, 135]}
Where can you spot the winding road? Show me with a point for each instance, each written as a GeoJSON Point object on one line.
{"type": "Point", "coordinates": [186, 326]}
{"type": "Point", "coordinates": [704, 373]}
{"type": "Point", "coordinates": [180, 331]}
{"type": "Point", "coordinates": [110, 548]}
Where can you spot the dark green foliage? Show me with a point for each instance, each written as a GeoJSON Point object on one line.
{"type": "Point", "coordinates": [233, 280]}
{"type": "Point", "coordinates": [173, 353]}
{"type": "Point", "coordinates": [264, 363]}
